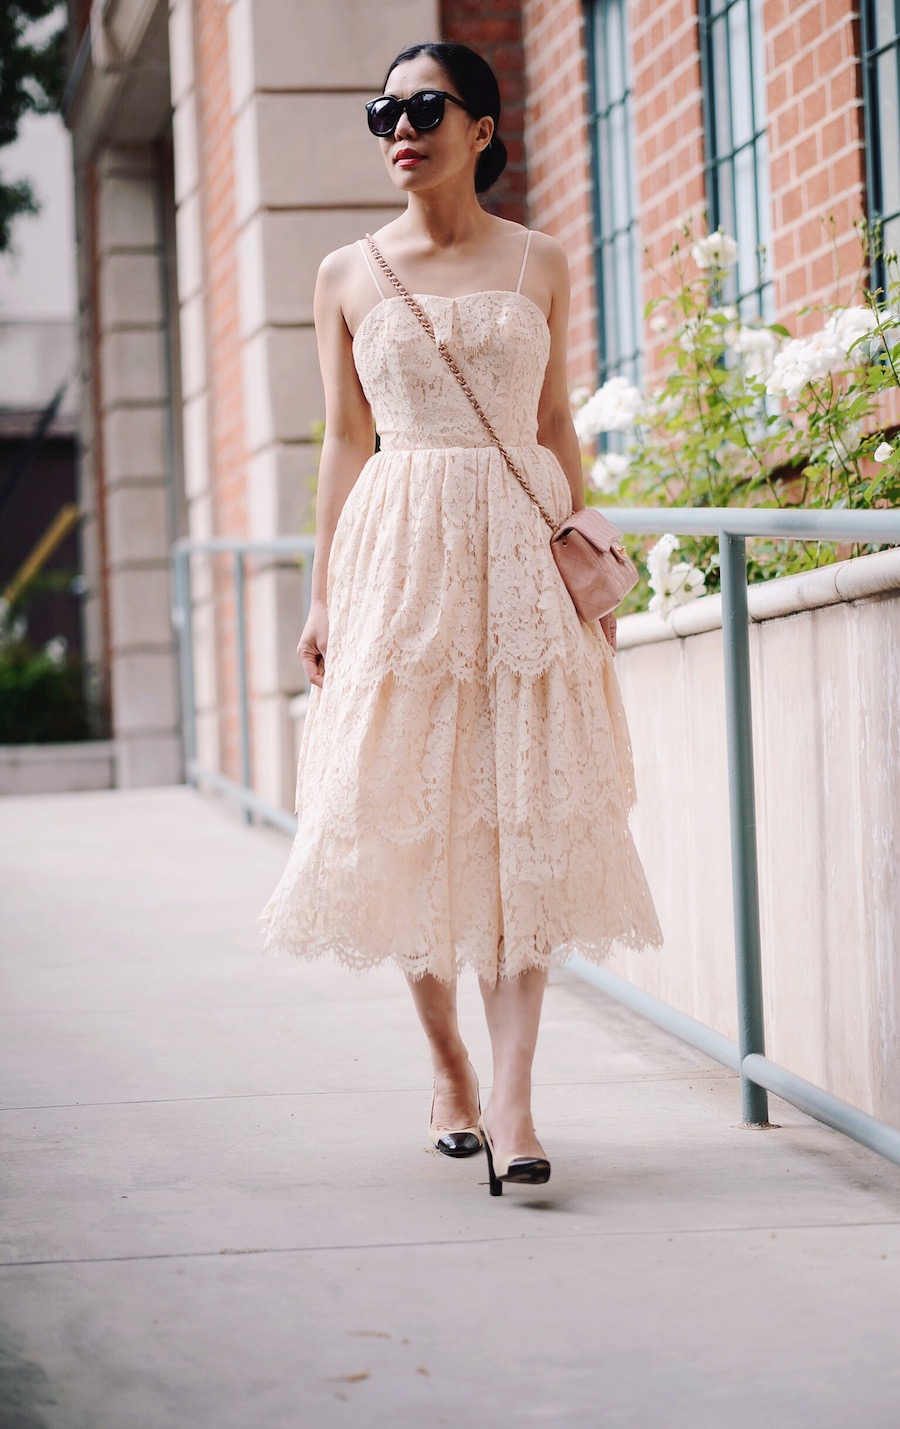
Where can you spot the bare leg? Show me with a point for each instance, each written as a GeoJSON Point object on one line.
{"type": "Point", "coordinates": [454, 1085]}
{"type": "Point", "coordinates": [513, 1011]}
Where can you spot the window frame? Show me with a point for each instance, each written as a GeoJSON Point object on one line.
{"type": "Point", "coordinates": [870, 51]}
{"type": "Point", "coordinates": [621, 362]}
{"type": "Point", "coordinates": [759, 296]}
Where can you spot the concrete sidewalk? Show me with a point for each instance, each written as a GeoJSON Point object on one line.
{"type": "Point", "coordinates": [221, 1210]}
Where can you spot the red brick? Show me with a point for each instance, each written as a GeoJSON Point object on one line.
{"type": "Point", "coordinates": [817, 189]}
{"type": "Point", "coordinates": [831, 52]}
{"type": "Point", "coordinates": [807, 153]}
{"type": "Point", "coordinates": [813, 107]}
{"type": "Point", "coordinates": [775, 12]}
{"type": "Point", "coordinates": [787, 125]}
{"type": "Point", "coordinates": [844, 86]}
{"type": "Point", "coordinates": [777, 90]}
{"type": "Point", "coordinates": [805, 28]}
{"type": "Point", "coordinates": [803, 73]}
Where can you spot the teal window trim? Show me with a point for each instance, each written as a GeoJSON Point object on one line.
{"type": "Point", "coordinates": [736, 149]}
{"type": "Point", "coordinates": [616, 248]}
{"type": "Point", "coordinates": [880, 43]}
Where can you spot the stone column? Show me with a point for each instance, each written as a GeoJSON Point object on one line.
{"type": "Point", "coordinates": [134, 411]}
{"type": "Point", "coordinates": [192, 282]}
{"type": "Point", "coordinates": [310, 178]}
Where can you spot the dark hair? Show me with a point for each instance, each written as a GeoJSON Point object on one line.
{"type": "Point", "coordinates": [477, 85]}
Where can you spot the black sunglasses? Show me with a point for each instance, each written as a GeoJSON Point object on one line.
{"type": "Point", "coordinates": [425, 109]}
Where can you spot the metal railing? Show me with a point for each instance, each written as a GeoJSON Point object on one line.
{"type": "Point", "coordinates": [758, 1074]}
{"type": "Point", "coordinates": [240, 552]}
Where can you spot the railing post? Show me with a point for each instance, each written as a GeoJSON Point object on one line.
{"type": "Point", "coordinates": [243, 695]}
{"type": "Point", "coordinates": [182, 619]}
{"type": "Point", "coordinates": [742, 816]}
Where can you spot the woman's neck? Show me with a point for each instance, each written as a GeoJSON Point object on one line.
{"type": "Point", "coordinates": [446, 219]}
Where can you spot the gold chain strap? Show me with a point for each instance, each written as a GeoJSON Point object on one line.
{"type": "Point", "coordinates": [451, 363]}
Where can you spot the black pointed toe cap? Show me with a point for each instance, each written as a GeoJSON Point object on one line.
{"type": "Point", "coordinates": [528, 1170]}
{"type": "Point", "coordinates": [458, 1143]}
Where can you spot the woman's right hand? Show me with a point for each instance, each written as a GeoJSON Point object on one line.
{"type": "Point", "coordinates": [313, 642]}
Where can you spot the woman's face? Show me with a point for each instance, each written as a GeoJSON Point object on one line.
{"type": "Point", "coordinates": [450, 149]}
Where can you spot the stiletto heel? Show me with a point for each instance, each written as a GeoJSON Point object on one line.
{"type": "Point", "coordinates": [523, 1170]}
{"type": "Point", "coordinates": [463, 1142]}
{"type": "Point", "coordinates": [496, 1186]}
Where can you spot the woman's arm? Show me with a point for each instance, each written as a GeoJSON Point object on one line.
{"type": "Point", "coordinates": [349, 431]}
{"type": "Point", "coordinates": [555, 427]}
{"type": "Point", "coordinates": [348, 443]}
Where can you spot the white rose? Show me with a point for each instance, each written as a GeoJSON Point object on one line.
{"type": "Point", "coordinates": [847, 325]}
{"type": "Point", "coordinates": [716, 250]}
{"type": "Point", "coordinates": [757, 347]}
{"type": "Point", "coordinates": [805, 360]}
{"type": "Point", "coordinates": [659, 558]}
{"type": "Point", "coordinates": [686, 582]}
{"type": "Point", "coordinates": [882, 452]}
{"type": "Point", "coordinates": [614, 407]}
{"type": "Point", "coordinates": [608, 471]}
{"type": "Point", "coordinates": [672, 585]}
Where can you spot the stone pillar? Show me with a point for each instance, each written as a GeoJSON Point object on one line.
{"type": "Point", "coordinates": [134, 411]}
{"type": "Point", "coordinates": [300, 75]}
{"type": "Point", "coordinates": [192, 282]}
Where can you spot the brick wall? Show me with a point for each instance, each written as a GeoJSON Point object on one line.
{"type": "Point", "coordinates": [495, 31]}
{"type": "Point", "coordinates": [536, 52]}
{"type": "Point", "coordinates": [668, 127]}
{"type": "Point", "coordinates": [815, 130]}
{"type": "Point", "coordinates": [225, 389]}
{"type": "Point", "coordinates": [559, 183]}
{"type": "Point", "coordinates": [817, 155]}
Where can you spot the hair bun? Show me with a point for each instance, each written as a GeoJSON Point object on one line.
{"type": "Point", "coordinates": [491, 163]}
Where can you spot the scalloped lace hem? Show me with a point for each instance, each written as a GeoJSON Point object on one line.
{"type": "Point", "coordinates": [359, 961]}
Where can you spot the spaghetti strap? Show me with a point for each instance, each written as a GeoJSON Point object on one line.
{"type": "Point", "coordinates": [370, 266]}
{"type": "Point", "coordinates": [524, 261]}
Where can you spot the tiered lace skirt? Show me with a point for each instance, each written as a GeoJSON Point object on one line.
{"type": "Point", "coordinates": [465, 772]}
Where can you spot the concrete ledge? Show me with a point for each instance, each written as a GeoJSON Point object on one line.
{"type": "Point", "coordinates": [57, 768]}
{"type": "Point", "coordinates": [825, 711]}
{"type": "Point", "coordinates": [853, 579]}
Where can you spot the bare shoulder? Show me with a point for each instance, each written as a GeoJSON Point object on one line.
{"type": "Point", "coordinates": [338, 284]}
{"type": "Point", "coordinates": [551, 256]}
{"type": "Point", "coordinates": [338, 266]}
{"type": "Point", "coordinates": [547, 276]}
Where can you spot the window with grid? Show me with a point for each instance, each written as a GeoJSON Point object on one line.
{"type": "Point", "coordinates": [881, 70]}
{"type": "Point", "coordinates": [616, 252]}
{"type": "Point", "coordinates": [737, 169]}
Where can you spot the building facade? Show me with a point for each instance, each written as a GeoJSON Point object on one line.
{"type": "Point", "coordinates": [205, 134]}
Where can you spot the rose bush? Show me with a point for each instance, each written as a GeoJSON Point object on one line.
{"type": "Point", "coordinates": [746, 414]}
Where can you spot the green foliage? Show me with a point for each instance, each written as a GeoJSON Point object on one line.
{"type": "Point", "coordinates": [748, 416]}
{"type": "Point", "coordinates": [42, 690]}
{"type": "Point", "coordinates": [32, 78]}
{"type": "Point", "coordinates": [41, 697]}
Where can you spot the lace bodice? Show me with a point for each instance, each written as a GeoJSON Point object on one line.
{"type": "Point", "coordinates": [500, 339]}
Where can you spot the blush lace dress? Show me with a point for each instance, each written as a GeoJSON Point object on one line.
{"type": "Point", "coordinates": [465, 772]}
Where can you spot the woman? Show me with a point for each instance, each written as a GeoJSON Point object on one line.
{"type": "Point", "coordinates": [465, 771]}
